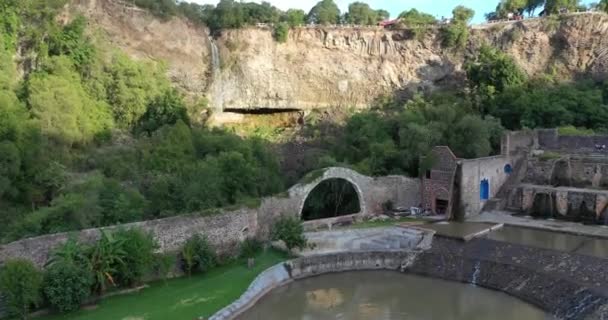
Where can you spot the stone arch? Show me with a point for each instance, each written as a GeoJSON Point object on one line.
{"type": "Point", "coordinates": [351, 196]}
{"type": "Point", "coordinates": [360, 183]}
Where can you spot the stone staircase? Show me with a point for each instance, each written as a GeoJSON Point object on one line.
{"type": "Point", "coordinates": [499, 202]}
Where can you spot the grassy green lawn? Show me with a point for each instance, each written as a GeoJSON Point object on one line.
{"type": "Point", "coordinates": [180, 299]}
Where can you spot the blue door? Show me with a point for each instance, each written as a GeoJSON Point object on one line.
{"type": "Point", "coordinates": [484, 189]}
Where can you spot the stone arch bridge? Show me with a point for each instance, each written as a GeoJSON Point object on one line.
{"type": "Point", "coordinates": [372, 192]}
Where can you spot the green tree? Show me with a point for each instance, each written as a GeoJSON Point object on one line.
{"type": "Point", "coordinates": [382, 15]}
{"type": "Point", "coordinates": [66, 286]}
{"type": "Point", "coordinates": [532, 5]}
{"type": "Point", "coordinates": [62, 107]}
{"type": "Point", "coordinates": [295, 17]}
{"type": "Point", "coordinates": [10, 165]}
{"type": "Point", "coordinates": [548, 105]}
{"type": "Point", "coordinates": [166, 109]}
{"type": "Point", "coordinates": [250, 248]}
{"type": "Point", "coordinates": [119, 204]}
{"type": "Point", "coordinates": [71, 41]}
{"type": "Point", "coordinates": [290, 231]}
{"type": "Point", "coordinates": [138, 259]}
{"type": "Point", "coordinates": [456, 34]}
{"type": "Point", "coordinates": [20, 283]}
{"type": "Point", "coordinates": [281, 32]}
{"type": "Point", "coordinates": [360, 13]}
{"type": "Point", "coordinates": [554, 6]}
{"type": "Point", "coordinates": [197, 255]}
{"type": "Point", "coordinates": [603, 5]}
{"type": "Point", "coordinates": [492, 72]}
{"type": "Point", "coordinates": [511, 6]}
{"type": "Point", "coordinates": [325, 12]}
{"type": "Point", "coordinates": [463, 14]}
{"type": "Point", "coordinates": [131, 86]}
{"type": "Point", "coordinates": [414, 17]}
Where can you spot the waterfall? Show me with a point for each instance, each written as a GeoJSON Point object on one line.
{"type": "Point", "coordinates": [215, 58]}
{"type": "Point", "coordinates": [216, 92]}
{"type": "Point", "coordinates": [475, 276]}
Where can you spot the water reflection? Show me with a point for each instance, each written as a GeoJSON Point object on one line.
{"type": "Point", "coordinates": [387, 296]}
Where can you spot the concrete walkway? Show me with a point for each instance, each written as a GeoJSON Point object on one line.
{"type": "Point", "coordinates": [552, 225]}
{"type": "Point", "coordinates": [372, 239]}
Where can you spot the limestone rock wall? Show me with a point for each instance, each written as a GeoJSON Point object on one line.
{"type": "Point", "coordinates": [321, 67]}
{"type": "Point", "coordinates": [179, 43]}
{"type": "Point", "coordinates": [338, 67]}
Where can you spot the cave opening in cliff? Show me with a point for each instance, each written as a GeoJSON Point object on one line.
{"type": "Point", "coordinates": [331, 198]}
{"type": "Point", "coordinates": [262, 111]}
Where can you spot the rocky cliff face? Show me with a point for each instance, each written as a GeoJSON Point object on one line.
{"type": "Point", "coordinates": [349, 67]}
{"type": "Point", "coordinates": [323, 67]}
{"type": "Point", "coordinates": [183, 45]}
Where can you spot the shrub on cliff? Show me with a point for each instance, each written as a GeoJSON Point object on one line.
{"type": "Point", "coordinates": [456, 34]}
{"type": "Point", "coordinates": [20, 283]}
{"type": "Point", "coordinates": [290, 231]}
{"type": "Point", "coordinates": [281, 32]}
{"type": "Point", "coordinates": [197, 255]}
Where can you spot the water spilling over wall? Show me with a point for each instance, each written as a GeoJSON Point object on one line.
{"type": "Point", "coordinates": [571, 204]}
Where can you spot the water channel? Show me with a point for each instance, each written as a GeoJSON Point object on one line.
{"type": "Point", "coordinates": [552, 240]}
{"type": "Point", "coordinates": [385, 295]}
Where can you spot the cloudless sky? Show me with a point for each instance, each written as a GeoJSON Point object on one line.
{"type": "Point", "coordinates": [438, 8]}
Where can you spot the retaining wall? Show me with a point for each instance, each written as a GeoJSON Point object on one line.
{"type": "Point", "coordinates": [569, 286]}
{"type": "Point", "coordinates": [284, 273]}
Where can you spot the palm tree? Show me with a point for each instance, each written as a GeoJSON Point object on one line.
{"type": "Point", "coordinates": [70, 252]}
{"type": "Point", "coordinates": [105, 256]}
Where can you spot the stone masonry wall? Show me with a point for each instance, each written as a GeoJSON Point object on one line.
{"type": "Point", "coordinates": [517, 141]}
{"type": "Point", "coordinates": [565, 202]}
{"type": "Point", "coordinates": [571, 171]}
{"type": "Point", "coordinates": [224, 231]}
{"type": "Point", "coordinates": [550, 139]}
{"type": "Point", "coordinates": [476, 170]}
{"type": "Point", "coordinates": [227, 229]}
{"type": "Point", "coordinates": [438, 182]}
{"type": "Point", "coordinates": [569, 286]}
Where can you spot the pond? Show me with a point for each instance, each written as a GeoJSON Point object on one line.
{"type": "Point", "coordinates": [386, 295]}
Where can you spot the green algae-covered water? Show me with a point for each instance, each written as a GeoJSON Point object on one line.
{"type": "Point", "coordinates": [385, 295]}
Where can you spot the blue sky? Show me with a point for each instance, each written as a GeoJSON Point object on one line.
{"type": "Point", "coordinates": [438, 8]}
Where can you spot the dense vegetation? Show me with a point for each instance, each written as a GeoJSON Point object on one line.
{"type": "Point", "coordinates": [391, 137]}
{"type": "Point", "coordinates": [90, 137]}
{"type": "Point", "coordinates": [77, 272]}
{"type": "Point", "coordinates": [505, 7]}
